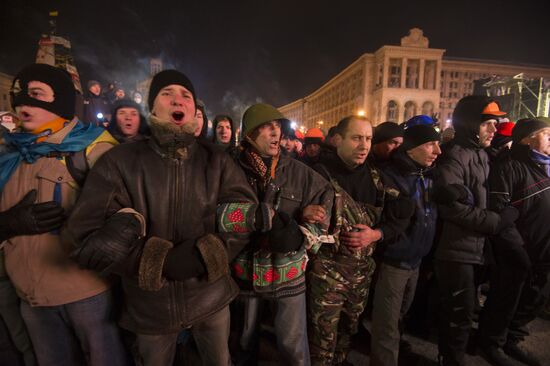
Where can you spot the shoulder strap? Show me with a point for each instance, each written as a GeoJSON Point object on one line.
{"type": "Point", "coordinates": [78, 167]}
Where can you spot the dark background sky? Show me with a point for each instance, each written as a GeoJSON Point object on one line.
{"type": "Point", "coordinates": [240, 52]}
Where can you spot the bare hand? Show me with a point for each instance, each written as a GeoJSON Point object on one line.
{"type": "Point", "coordinates": [360, 239]}
{"type": "Point", "coordinates": [313, 214]}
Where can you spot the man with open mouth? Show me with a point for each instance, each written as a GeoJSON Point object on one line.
{"type": "Point", "coordinates": [271, 270]}
{"type": "Point", "coordinates": [66, 309]}
{"type": "Point", "coordinates": [148, 213]}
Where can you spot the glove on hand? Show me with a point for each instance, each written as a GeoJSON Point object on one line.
{"type": "Point", "coordinates": [450, 193]}
{"type": "Point", "coordinates": [111, 244]}
{"type": "Point", "coordinates": [508, 216]}
{"type": "Point", "coordinates": [400, 208]}
{"type": "Point", "coordinates": [29, 218]}
{"type": "Point", "coordinates": [184, 261]}
{"type": "Point", "coordinates": [285, 235]}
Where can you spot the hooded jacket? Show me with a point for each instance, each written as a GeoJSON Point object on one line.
{"type": "Point", "coordinates": [143, 130]}
{"type": "Point", "coordinates": [217, 120]}
{"type": "Point", "coordinates": [463, 161]}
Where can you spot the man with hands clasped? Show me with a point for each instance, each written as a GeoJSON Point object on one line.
{"type": "Point", "coordinates": [365, 210]}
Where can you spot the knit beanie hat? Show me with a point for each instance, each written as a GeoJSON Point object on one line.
{"type": "Point", "coordinates": [421, 119]}
{"type": "Point", "coordinates": [386, 131]}
{"type": "Point", "coordinates": [165, 78]}
{"type": "Point", "coordinates": [528, 126]}
{"type": "Point", "coordinates": [58, 79]}
{"type": "Point", "coordinates": [417, 135]}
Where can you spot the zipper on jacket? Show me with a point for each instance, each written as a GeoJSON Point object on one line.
{"type": "Point", "coordinates": [175, 236]}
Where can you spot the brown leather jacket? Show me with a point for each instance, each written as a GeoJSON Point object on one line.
{"type": "Point", "coordinates": [177, 190]}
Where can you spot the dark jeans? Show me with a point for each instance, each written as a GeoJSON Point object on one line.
{"type": "Point", "coordinates": [211, 337]}
{"type": "Point", "coordinates": [457, 289]}
{"type": "Point", "coordinates": [10, 314]}
{"type": "Point", "coordinates": [513, 298]}
{"type": "Point", "coordinates": [290, 329]}
{"type": "Point", "coordinates": [75, 333]}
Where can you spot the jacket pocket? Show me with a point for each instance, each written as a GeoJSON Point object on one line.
{"type": "Point", "coordinates": [56, 183]}
{"type": "Point", "coordinates": [290, 201]}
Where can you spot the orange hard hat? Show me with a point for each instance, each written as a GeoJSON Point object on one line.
{"type": "Point", "coordinates": [315, 133]}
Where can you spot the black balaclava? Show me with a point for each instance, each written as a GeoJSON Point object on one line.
{"type": "Point", "coordinates": [59, 80]}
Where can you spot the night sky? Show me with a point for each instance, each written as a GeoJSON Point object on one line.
{"type": "Point", "coordinates": [240, 52]}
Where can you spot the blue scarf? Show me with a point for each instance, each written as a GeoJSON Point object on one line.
{"type": "Point", "coordinates": [23, 146]}
{"type": "Point", "coordinates": [541, 159]}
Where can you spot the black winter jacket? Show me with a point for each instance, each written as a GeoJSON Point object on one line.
{"type": "Point", "coordinates": [517, 180]}
{"type": "Point", "coordinates": [465, 227]}
{"type": "Point", "coordinates": [415, 182]}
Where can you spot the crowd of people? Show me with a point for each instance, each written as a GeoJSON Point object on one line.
{"type": "Point", "coordinates": [124, 237]}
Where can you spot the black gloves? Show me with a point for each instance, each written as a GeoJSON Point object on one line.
{"type": "Point", "coordinates": [184, 261]}
{"type": "Point", "coordinates": [111, 244]}
{"type": "Point", "coordinates": [285, 235]}
{"type": "Point", "coordinates": [450, 193]}
{"type": "Point", "coordinates": [29, 218]}
{"type": "Point", "coordinates": [508, 216]}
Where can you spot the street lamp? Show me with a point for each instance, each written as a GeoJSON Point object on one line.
{"type": "Point", "coordinates": [361, 113]}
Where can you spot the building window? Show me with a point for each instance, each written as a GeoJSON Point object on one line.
{"type": "Point", "coordinates": [380, 75]}
{"type": "Point", "coordinates": [394, 80]}
{"type": "Point", "coordinates": [428, 108]}
{"type": "Point", "coordinates": [413, 67]}
{"type": "Point", "coordinates": [392, 111]}
{"type": "Point", "coordinates": [410, 110]}
{"type": "Point", "coordinates": [430, 70]}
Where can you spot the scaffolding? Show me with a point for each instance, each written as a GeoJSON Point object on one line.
{"type": "Point", "coordinates": [56, 51]}
{"type": "Point", "coordinates": [521, 97]}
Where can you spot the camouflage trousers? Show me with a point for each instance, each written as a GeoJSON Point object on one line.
{"type": "Point", "coordinates": [337, 295]}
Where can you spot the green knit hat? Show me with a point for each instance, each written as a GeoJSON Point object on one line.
{"type": "Point", "coordinates": [258, 114]}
